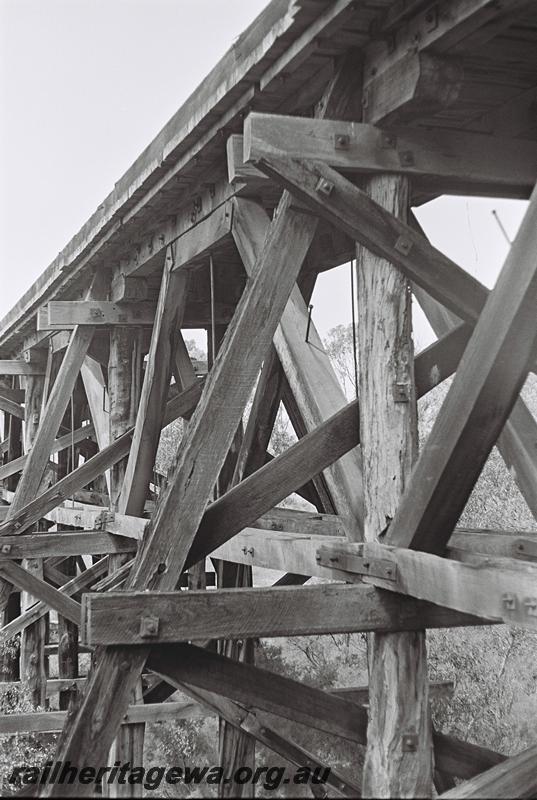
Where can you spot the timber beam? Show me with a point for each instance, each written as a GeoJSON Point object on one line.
{"type": "Point", "coordinates": [453, 160]}
{"type": "Point", "coordinates": [284, 611]}
{"type": "Point", "coordinates": [300, 552]}
{"type": "Point", "coordinates": [50, 721]}
{"type": "Point", "coordinates": [514, 777]}
{"type": "Point", "coordinates": [267, 692]}
{"type": "Point", "coordinates": [494, 588]}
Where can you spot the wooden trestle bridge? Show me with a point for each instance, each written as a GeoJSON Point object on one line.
{"type": "Point", "coordinates": [305, 147]}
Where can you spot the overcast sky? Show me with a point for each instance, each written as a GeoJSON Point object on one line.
{"type": "Point", "coordinates": [86, 84]}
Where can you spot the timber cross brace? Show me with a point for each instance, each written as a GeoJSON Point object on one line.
{"type": "Point", "coordinates": [365, 109]}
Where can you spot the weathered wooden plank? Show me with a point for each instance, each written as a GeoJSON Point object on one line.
{"type": "Point", "coordinates": [452, 158]}
{"type": "Point", "coordinates": [16, 395]}
{"type": "Point", "coordinates": [9, 406]}
{"type": "Point", "coordinates": [39, 609]}
{"type": "Point", "coordinates": [41, 589]}
{"type": "Point", "coordinates": [56, 405]}
{"type": "Point", "coordinates": [49, 721]}
{"type": "Point", "coordinates": [520, 430]}
{"type": "Point", "coordinates": [397, 662]}
{"type": "Point", "coordinates": [114, 618]}
{"type": "Point", "coordinates": [98, 401]}
{"type": "Point", "coordinates": [32, 643]}
{"type": "Point", "coordinates": [151, 409]}
{"type": "Point", "coordinates": [18, 367]}
{"type": "Point", "coordinates": [211, 232]}
{"type": "Point", "coordinates": [128, 289]}
{"type": "Point", "coordinates": [296, 551]}
{"type": "Point", "coordinates": [346, 206]}
{"type": "Point", "coordinates": [440, 28]}
{"type": "Point", "coordinates": [253, 687]}
{"type": "Point", "coordinates": [85, 432]}
{"type": "Point", "coordinates": [494, 588]}
{"type": "Point", "coordinates": [307, 367]}
{"type": "Point", "coordinates": [98, 518]}
{"type": "Point", "coordinates": [265, 690]}
{"type": "Point", "coordinates": [69, 313]}
{"type": "Point", "coordinates": [258, 725]}
{"type": "Point", "coordinates": [480, 399]}
{"type": "Point", "coordinates": [44, 545]}
{"type": "Point", "coordinates": [513, 778]}
{"type": "Point", "coordinates": [418, 84]}
{"type": "Point", "coordinates": [440, 690]}
{"type": "Point", "coordinates": [304, 522]}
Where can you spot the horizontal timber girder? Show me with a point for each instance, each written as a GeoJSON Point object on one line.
{"type": "Point", "coordinates": [50, 721]}
{"type": "Point", "coordinates": [114, 619]}
{"type": "Point", "coordinates": [449, 160]}
{"type": "Point", "coordinates": [282, 550]}
{"type": "Point", "coordinates": [498, 589]}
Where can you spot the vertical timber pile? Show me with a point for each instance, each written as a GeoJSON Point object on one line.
{"type": "Point", "coordinates": [32, 655]}
{"type": "Point", "coordinates": [399, 749]}
{"type": "Point", "coordinates": [9, 657]}
{"type": "Point", "coordinates": [124, 383]}
{"type": "Point", "coordinates": [67, 630]}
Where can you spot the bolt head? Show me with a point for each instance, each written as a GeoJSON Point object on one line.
{"type": "Point", "coordinates": [325, 187]}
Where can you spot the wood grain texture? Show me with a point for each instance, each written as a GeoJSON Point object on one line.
{"type": "Point", "coordinates": [513, 778]}
{"type": "Point", "coordinates": [452, 159]}
{"type": "Point", "coordinates": [114, 618]}
{"type": "Point", "coordinates": [32, 643]}
{"type": "Point", "coordinates": [268, 691]}
{"type": "Point", "coordinates": [308, 370]}
{"type": "Point", "coordinates": [516, 442]}
{"type": "Point", "coordinates": [492, 587]}
{"type": "Point", "coordinates": [398, 697]}
{"type": "Point", "coordinates": [484, 390]}
{"type": "Point", "coordinates": [151, 408]}
{"type": "Point", "coordinates": [210, 433]}
{"type": "Point", "coordinates": [71, 587]}
{"type": "Point", "coordinates": [349, 208]}
{"type": "Point", "coordinates": [56, 405]}
{"type": "Point", "coordinates": [44, 721]}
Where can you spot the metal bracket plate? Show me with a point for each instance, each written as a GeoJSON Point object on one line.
{"type": "Point", "coordinates": [104, 519]}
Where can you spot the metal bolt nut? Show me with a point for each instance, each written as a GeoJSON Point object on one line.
{"type": "Point", "coordinates": [403, 245]}
{"type": "Point", "coordinates": [342, 141]}
{"type": "Point", "coordinates": [324, 186]}
{"type": "Point", "coordinates": [388, 141]}
{"type": "Point", "coordinates": [149, 627]}
{"type": "Point", "coordinates": [509, 601]}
